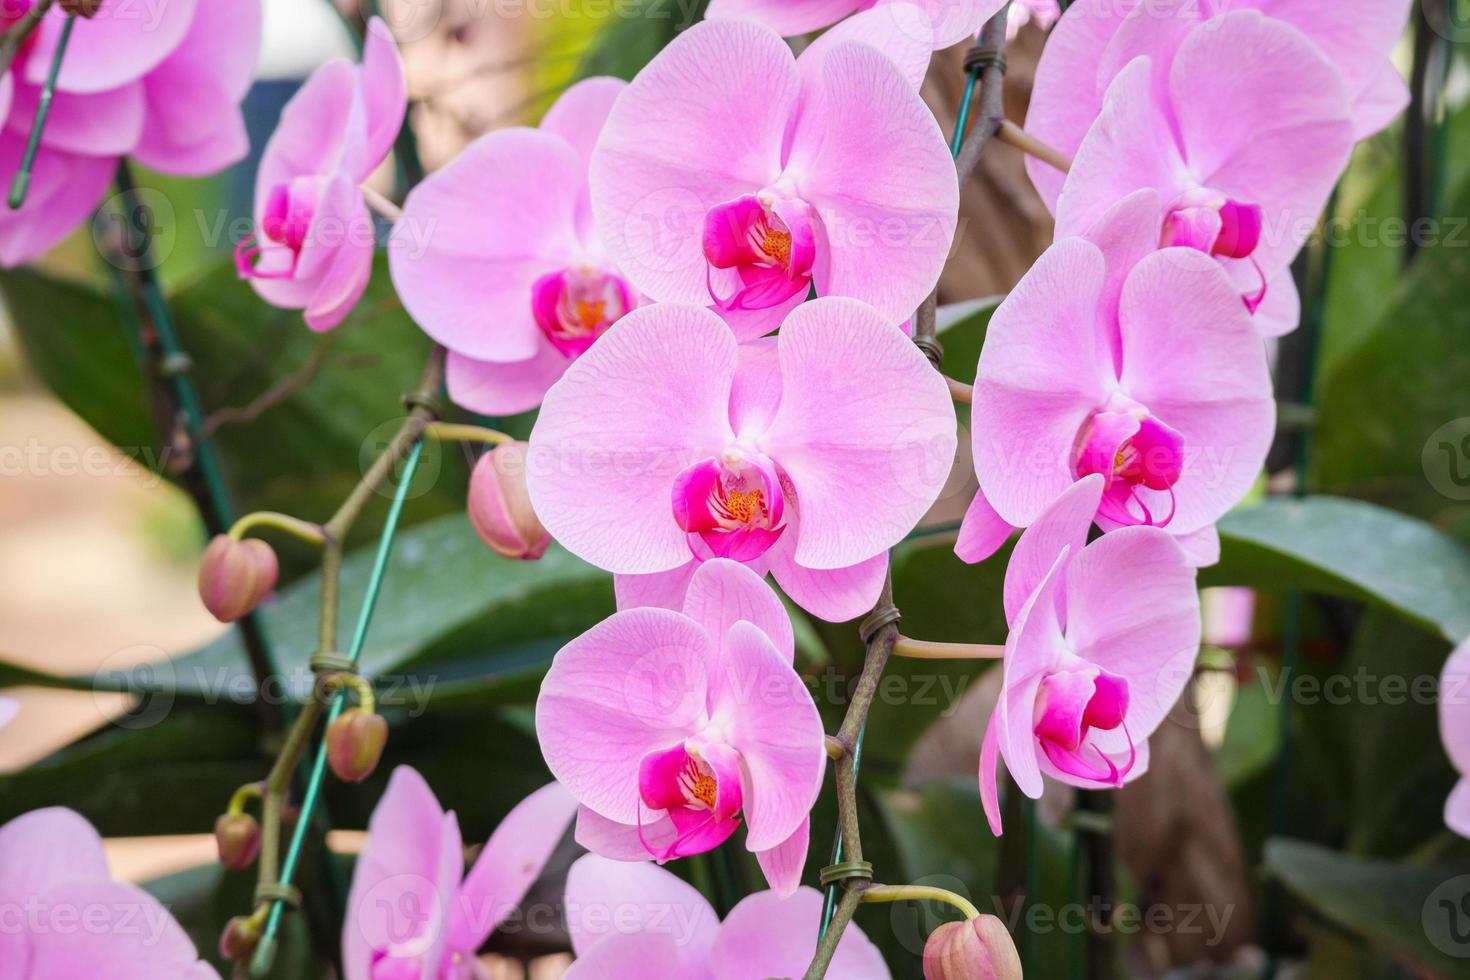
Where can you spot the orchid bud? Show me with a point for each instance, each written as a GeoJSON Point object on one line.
{"type": "Point", "coordinates": [500, 505]}
{"type": "Point", "coordinates": [237, 835]}
{"type": "Point", "coordinates": [82, 8]}
{"type": "Point", "coordinates": [235, 575]}
{"type": "Point", "coordinates": [355, 743]}
{"type": "Point", "coordinates": [239, 939]}
{"type": "Point", "coordinates": [979, 949]}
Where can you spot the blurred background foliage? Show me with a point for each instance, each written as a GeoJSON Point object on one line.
{"type": "Point", "coordinates": [1316, 821]}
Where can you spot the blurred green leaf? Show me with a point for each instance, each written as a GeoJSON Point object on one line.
{"type": "Point", "coordinates": [1396, 906]}
{"type": "Point", "coordinates": [330, 400]}
{"type": "Point", "coordinates": [631, 40]}
{"type": "Point", "coordinates": [962, 331]}
{"type": "Point", "coordinates": [1348, 548]}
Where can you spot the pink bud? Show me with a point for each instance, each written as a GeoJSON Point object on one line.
{"type": "Point", "coordinates": [238, 940]}
{"type": "Point", "coordinates": [235, 575]}
{"type": "Point", "coordinates": [980, 949]}
{"type": "Point", "coordinates": [237, 835]}
{"type": "Point", "coordinates": [500, 505]}
{"type": "Point", "coordinates": [355, 743]}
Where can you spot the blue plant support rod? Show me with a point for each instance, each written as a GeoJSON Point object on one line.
{"type": "Point", "coordinates": [21, 185]}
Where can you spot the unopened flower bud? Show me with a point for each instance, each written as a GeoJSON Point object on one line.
{"type": "Point", "coordinates": [237, 835]}
{"type": "Point", "coordinates": [239, 939]}
{"type": "Point", "coordinates": [980, 949]}
{"type": "Point", "coordinates": [355, 743]}
{"type": "Point", "coordinates": [82, 8]}
{"type": "Point", "coordinates": [235, 575]}
{"type": "Point", "coordinates": [500, 505]}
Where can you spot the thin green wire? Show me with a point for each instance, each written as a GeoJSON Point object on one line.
{"type": "Point", "coordinates": [22, 182]}
{"type": "Point", "coordinates": [962, 120]}
{"type": "Point", "coordinates": [261, 965]}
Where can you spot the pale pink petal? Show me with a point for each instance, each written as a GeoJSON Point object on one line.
{"type": "Point", "coordinates": [767, 715]}
{"type": "Point", "coordinates": [1454, 708]}
{"type": "Point", "coordinates": [114, 48]}
{"type": "Point", "coordinates": [1128, 148]}
{"type": "Point", "coordinates": [882, 183]}
{"type": "Point", "coordinates": [982, 532]}
{"type": "Point", "coordinates": [120, 932]}
{"type": "Point", "coordinates": [756, 393]}
{"type": "Point", "coordinates": [580, 113]}
{"type": "Point", "coordinates": [510, 863]}
{"type": "Point", "coordinates": [722, 593]}
{"type": "Point", "coordinates": [478, 233]}
{"type": "Point", "coordinates": [1039, 379]}
{"type": "Point", "coordinates": [1133, 610]}
{"type": "Point", "coordinates": [1380, 102]}
{"type": "Point", "coordinates": [834, 594]}
{"type": "Point", "coordinates": [783, 864]}
{"type": "Point", "coordinates": [1201, 547]}
{"type": "Point", "coordinates": [650, 398]}
{"type": "Point", "coordinates": [400, 869]}
{"type": "Point", "coordinates": [1067, 93]}
{"type": "Point", "coordinates": [65, 190]}
{"type": "Point", "coordinates": [1117, 746]}
{"type": "Point", "coordinates": [384, 95]}
{"type": "Point", "coordinates": [1033, 647]}
{"type": "Point", "coordinates": [1126, 232]}
{"type": "Point", "coordinates": [766, 935]}
{"type": "Point", "coordinates": [787, 17]}
{"type": "Point", "coordinates": [609, 900]}
{"type": "Point", "coordinates": [1457, 808]}
{"type": "Point", "coordinates": [492, 388]}
{"type": "Point", "coordinates": [956, 20]}
{"type": "Point", "coordinates": [665, 590]}
{"type": "Point", "coordinates": [621, 841]}
{"type": "Point", "coordinates": [1191, 356]}
{"type": "Point", "coordinates": [638, 955]}
{"type": "Point", "coordinates": [97, 124]}
{"type": "Point", "coordinates": [702, 124]}
{"type": "Point", "coordinates": [1281, 311]}
{"type": "Point", "coordinates": [633, 684]}
{"type": "Point", "coordinates": [864, 422]}
{"type": "Point", "coordinates": [47, 848]}
{"type": "Point", "coordinates": [342, 218]}
{"type": "Point", "coordinates": [902, 31]}
{"type": "Point", "coordinates": [990, 775]}
{"type": "Point", "coordinates": [1063, 526]}
{"type": "Point", "coordinates": [1290, 164]}
{"type": "Point", "coordinates": [312, 132]}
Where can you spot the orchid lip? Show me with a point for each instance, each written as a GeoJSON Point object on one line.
{"type": "Point", "coordinates": [578, 304]}
{"type": "Point", "coordinates": [1133, 451]}
{"type": "Point", "coordinates": [697, 785]}
{"type": "Point", "coordinates": [1073, 701]}
{"type": "Point", "coordinates": [734, 503]}
{"type": "Point", "coordinates": [768, 240]}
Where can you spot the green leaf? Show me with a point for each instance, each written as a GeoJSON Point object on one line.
{"type": "Point", "coordinates": [303, 452]}
{"type": "Point", "coordinates": [1352, 549]}
{"type": "Point", "coordinates": [1395, 906]}
{"type": "Point", "coordinates": [453, 620]}
{"type": "Point", "coordinates": [631, 40]}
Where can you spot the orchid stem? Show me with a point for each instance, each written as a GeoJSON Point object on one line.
{"type": "Point", "coordinates": [960, 392]}
{"type": "Point", "coordinates": [454, 432]}
{"type": "Point", "coordinates": [930, 650]}
{"type": "Point", "coordinates": [21, 185]}
{"type": "Point", "coordinates": [306, 531]}
{"type": "Point", "coordinates": [919, 893]}
{"type": "Point", "coordinates": [1009, 132]}
{"type": "Point", "coordinates": [377, 202]}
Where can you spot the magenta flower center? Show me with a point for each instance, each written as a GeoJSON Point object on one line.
{"type": "Point", "coordinates": [577, 305]}
{"type": "Point", "coordinates": [1222, 226]}
{"type": "Point", "coordinates": [735, 504]}
{"type": "Point", "coordinates": [1075, 701]}
{"type": "Point", "coordinates": [698, 786]}
{"type": "Point", "coordinates": [289, 211]}
{"type": "Point", "coordinates": [767, 242]}
{"type": "Point", "coordinates": [1135, 452]}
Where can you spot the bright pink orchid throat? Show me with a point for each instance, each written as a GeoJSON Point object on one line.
{"type": "Point", "coordinates": [735, 503]}
{"type": "Point", "coordinates": [698, 784]}
{"type": "Point", "coordinates": [1076, 698]}
{"type": "Point", "coordinates": [768, 241]}
{"type": "Point", "coordinates": [1135, 452]}
{"type": "Point", "coordinates": [577, 305]}
{"type": "Point", "coordinates": [1219, 225]}
{"type": "Point", "coordinates": [287, 221]}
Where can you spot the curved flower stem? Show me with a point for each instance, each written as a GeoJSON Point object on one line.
{"type": "Point", "coordinates": [916, 893]}
{"type": "Point", "coordinates": [959, 391]}
{"type": "Point", "coordinates": [930, 650]}
{"type": "Point", "coordinates": [452, 432]}
{"type": "Point", "coordinates": [1009, 132]}
{"type": "Point", "coordinates": [243, 795]}
{"type": "Point", "coordinates": [306, 531]}
{"type": "Point", "coordinates": [381, 204]}
{"type": "Point", "coordinates": [827, 945]}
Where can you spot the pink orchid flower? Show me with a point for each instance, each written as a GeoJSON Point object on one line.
{"type": "Point", "coordinates": [73, 919]}
{"type": "Point", "coordinates": [667, 726]}
{"type": "Point", "coordinates": [1146, 371]}
{"type": "Point", "coordinates": [1103, 640]}
{"type": "Point", "coordinates": [947, 21]}
{"type": "Point", "coordinates": [313, 247]}
{"type": "Point", "coordinates": [1095, 39]}
{"type": "Point", "coordinates": [668, 442]}
{"type": "Point", "coordinates": [732, 173]}
{"type": "Point", "coordinates": [543, 269]}
{"type": "Point", "coordinates": [1042, 13]}
{"type": "Point", "coordinates": [412, 911]}
{"type": "Point", "coordinates": [638, 920]}
{"type": "Point", "coordinates": [1454, 732]}
{"type": "Point", "coordinates": [162, 85]}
